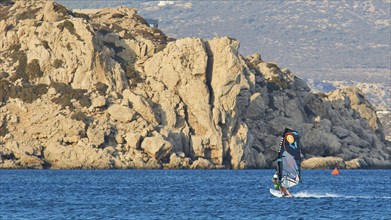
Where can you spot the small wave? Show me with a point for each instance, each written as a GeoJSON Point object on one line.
{"type": "Point", "coordinates": [332, 195]}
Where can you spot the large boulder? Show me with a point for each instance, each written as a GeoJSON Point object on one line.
{"type": "Point", "coordinates": [121, 113]}
{"type": "Point", "coordinates": [178, 161]}
{"type": "Point", "coordinates": [323, 163]}
{"type": "Point", "coordinates": [354, 99]}
{"type": "Point", "coordinates": [356, 164]}
{"type": "Point", "coordinates": [156, 147]}
{"type": "Point", "coordinates": [202, 163]}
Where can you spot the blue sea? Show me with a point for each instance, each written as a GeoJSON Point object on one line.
{"type": "Point", "coordinates": [191, 194]}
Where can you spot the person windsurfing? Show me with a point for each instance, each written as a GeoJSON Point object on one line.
{"type": "Point", "coordinates": [288, 170]}
{"type": "Point", "coordinates": [277, 185]}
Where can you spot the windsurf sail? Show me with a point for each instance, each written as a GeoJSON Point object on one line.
{"type": "Point", "coordinates": [289, 159]}
{"type": "Point", "coordinates": [335, 171]}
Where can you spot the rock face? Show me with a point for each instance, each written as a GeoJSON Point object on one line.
{"type": "Point", "coordinates": [104, 90]}
{"type": "Point", "coordinates": [323, 163]}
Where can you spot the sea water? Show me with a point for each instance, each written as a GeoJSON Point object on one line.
{"type": "Point", "coordinates": [191, 194]}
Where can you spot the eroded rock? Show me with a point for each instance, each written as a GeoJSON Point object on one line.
{"type": "Point", "coordinates": [104, 90]}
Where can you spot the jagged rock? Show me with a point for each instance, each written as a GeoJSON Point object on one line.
{"type": "Point", "coordinates": [257, 107]}
{"type": "Point", "coordinates": [104, 90]}
{"type": "Point", "coordinates": [96, 135]}
{"type": "Point", "coordinates": [299, 84]}
{"type": "Point", "coordinates": [238, 145]}
{"type": "Point", "coordinates": [121, 113]}
{"type": "Point", "coordinates": [98, 102]}
{"type": "Point", "coordinates": [141, 106]}
{"type": "Point", "coordinates": [356, 164]}
{"type": "Point", "coordinates": [178, 161]}
{"type": "Point", "coordinates": [199, 145]}
{"type": "Point", "coordinates": [260, 160]}
{"type": "Point", "coordinates": [156, 147]}
{"type": "Point", "coordinates": [202, 163]}
{"type": "Point", "coordinates": [323, 163]}
{"type": "Point", "coordinates": [378, 162]}
{"type": "Point", "coordinates": [254, 59]}
{"type": "Point", "coordinates": [152, 163]}
{"type": "Point", "coordinates": [10, 164]}
{"type": "Point", "coordinates": [52, 91]}
{"type": "Point", "coordinates": [319, 142]}
{"type": "Point", "coordinates": [31, 162]}
{"type": "Point", "coordinates": [119, 137]}
{"type": "Point", "coordinates": [133, 139]}
{"type": "Point", "coordinates": [76, 157]}
{"type": "Point", "coordinates": [354, 99]}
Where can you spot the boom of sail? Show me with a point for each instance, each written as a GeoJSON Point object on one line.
{"type": "Point", "coordinates": [289, 159]}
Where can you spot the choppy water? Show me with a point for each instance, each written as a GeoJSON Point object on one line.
{"type": "Point", "coordinates": [191, 194]}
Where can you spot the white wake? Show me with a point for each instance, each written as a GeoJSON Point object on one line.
{"type": "Point", "coordinates": [315, 195]}
{"type": "Point", "coordinates": [306, 194]}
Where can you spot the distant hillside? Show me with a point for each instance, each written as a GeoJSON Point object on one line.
{"type": "Point", "coordinates": [303, 36]}
{"type": "Point", "coordinates": [375, 84]}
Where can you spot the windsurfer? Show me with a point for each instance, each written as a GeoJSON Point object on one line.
{"type": "Point", "coordinates": [277, 185]}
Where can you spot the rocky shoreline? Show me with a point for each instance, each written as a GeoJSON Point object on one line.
{"type": "Point", "coordinates": [106, 91]}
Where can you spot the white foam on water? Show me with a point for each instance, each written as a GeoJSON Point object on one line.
{"type": "Point", "coordinates": [315, 195]}
{"type": "Point", "coordinates": [306, 194]}
{"type": "Point", "coordinates": [368, 197]}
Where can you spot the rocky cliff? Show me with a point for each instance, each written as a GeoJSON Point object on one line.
{"type": "Point", "coordinates": [104, 90]}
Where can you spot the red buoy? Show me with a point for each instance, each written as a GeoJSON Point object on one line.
{"type": "Point", "coordinates": [335, 172]}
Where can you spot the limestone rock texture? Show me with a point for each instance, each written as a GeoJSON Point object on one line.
{"type": "Point", "coordinates": [103, 90]}
{"type": "Point", "coordinates": [323, 163]}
